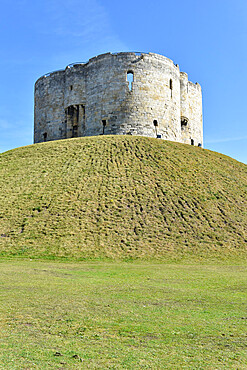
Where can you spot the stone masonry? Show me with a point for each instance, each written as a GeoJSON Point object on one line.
{"type": "Point", "coordinates": [119, 94]}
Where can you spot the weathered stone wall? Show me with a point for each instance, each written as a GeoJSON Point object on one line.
{"type": "Point", "coordinates": [49, 108]}
{"type": "Point", "coordinates": [191, 111]}
{"type": "Point", "coordinates": [96, 98]}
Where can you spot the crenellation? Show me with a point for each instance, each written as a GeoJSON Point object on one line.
{"type": "Point", "coordinates": [96, 98]}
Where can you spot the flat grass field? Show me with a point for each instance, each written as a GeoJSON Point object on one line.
{"type": "Point", "coordinates": [122, 315]}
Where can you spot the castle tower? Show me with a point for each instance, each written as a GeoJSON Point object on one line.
{"type": "Point", "coordinates": [119, 94]}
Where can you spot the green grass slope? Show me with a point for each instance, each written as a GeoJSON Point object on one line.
{"type": "Point", "coordinates": [121, 197]}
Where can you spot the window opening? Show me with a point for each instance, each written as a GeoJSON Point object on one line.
{"type": "Point", "coordinates": [75, 117]}
{"type": "Point", "coordinates": [83, 118]}
{"type": "Point", "coordinates": [45, 136]}
{"type": "Point", "coordinates": [104, 125]}
{"type": "Point", "coordinates": [184, 122]}
{"type": "Point", "coordinates": [171, 86]}
{"type": "Point", "coordinates": [83, 110]}
{"type": "Point", "coordinates": [192, 141]}
{"type": "Point", "coordinates": [71, 87]}
{"type": "Point", "coordinates": [155, 126]}
{"type": "Point", "coordinates": [75, 131]}
{"type": "Point", "coordinates": [130, 79]}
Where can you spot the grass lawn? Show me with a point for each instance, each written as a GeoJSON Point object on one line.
{"type": "Point", "coordinates": [71, 315]}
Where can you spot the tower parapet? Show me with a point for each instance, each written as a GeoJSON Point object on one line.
{"type": "Point", "coordinates": [123, 93]}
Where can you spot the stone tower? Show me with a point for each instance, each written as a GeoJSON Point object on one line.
{"type": "Point", "coordinates": [119, 94]}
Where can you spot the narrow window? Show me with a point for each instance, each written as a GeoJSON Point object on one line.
{"type": "Point", "coordinates": [83, 118]}
{"type": "Point", "coordinates": [104, 125]}
{"type": "Point", "coordinates": [171, 87]}
{"type": "Point", "coordinates": [77, 115]}
{"type": "Point", "coordinates": [45, 136]}
{"type": "Point", "coordinates": [130, 79]}
{"type": "Point", "coordinates": [83, 110]}
{"type": "Point", "coordinates": [71, 87]}
{"type": "Point", "coordinates": [75, 131]}
{"type": "Point", "coordinates": [192, 141]}
{"type": "Point", "coordinates": [155, 126]}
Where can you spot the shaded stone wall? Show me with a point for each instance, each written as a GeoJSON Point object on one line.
{"type": "Point", "coordinates": [96, 98]}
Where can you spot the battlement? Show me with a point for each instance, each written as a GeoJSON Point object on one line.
{"type": "Point", "coordinates": [119, 93]}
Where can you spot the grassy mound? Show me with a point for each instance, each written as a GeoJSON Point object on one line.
{"type": "Point", "coordinates": [121, 197]}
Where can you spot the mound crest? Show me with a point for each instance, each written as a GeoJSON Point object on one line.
{"type": "Point", "coordinates": [121, 197]}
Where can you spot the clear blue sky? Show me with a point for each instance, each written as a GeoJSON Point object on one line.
{"type": "Point", "coordinates": [207, 38]}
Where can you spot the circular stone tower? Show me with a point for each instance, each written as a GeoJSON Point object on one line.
{"type": "Point", "coordinates": [119, 94]}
